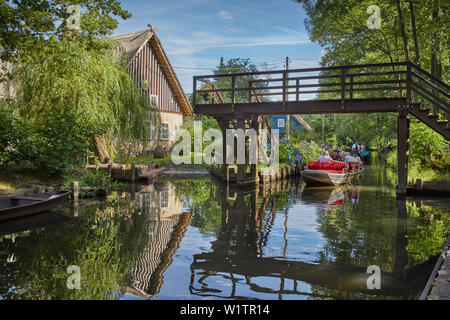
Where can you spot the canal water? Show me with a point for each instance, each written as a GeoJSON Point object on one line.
{"type": "Point", "coordinates": [195, 239]}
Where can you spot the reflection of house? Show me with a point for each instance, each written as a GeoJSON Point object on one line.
{"type": "Point", "coordinates": [151, 69]}
{"type": "Point", "coordinates": [166, 228]}
{"type": "Point", "coordinates": [161, 201]}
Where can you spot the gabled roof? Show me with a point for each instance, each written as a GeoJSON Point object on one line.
{"type": "Point", "coordinates": [302, 121]}
{"type": "Point", "coordinates": [133, 43]}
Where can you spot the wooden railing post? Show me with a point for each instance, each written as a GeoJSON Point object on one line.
{"type": "Point", "coordinates": [297, 90]}
{"type": "Point", "coordinates": [250, 85]}
{"type": "Point", "coordinates": [233, 89]}
{"type": "Point", "coordinates": [194, 93]}
{"type": "Point", "coordinates": [343, 70]}
{"type": "Point", "coordinates": [402, 151]}
{"type": "Point", "coordinates": [351, 87]}
{"type": "Point", "coordinates": [284, 87]}
{"type": "Point", "coordinates": [408, 84]}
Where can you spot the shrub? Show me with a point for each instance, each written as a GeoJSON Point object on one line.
{"type": "Point", "coordinates": [16, 143]}
{"type": "Point", "coordinates": [128, 152]}
{"type": "Point", "coordinates": [310, 150]}
{"type": "Point", "coordinates": [289, 154]}
{"type": "Point", "coordinates": [63, 140]}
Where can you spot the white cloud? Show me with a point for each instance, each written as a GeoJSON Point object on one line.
{"type": "Point", "coordinates": [203, 41]}
{"type": "Point", "coordinates": [225, 15]}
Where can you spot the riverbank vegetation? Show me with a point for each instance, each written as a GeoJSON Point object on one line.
{"type": "Point", "coordinates": [71, 86]}
{"type": "Point", "coordinates": [409, 31]}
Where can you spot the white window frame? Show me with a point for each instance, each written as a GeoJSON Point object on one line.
{"type": "Point", "coordinates": [153, 98]}
{"type": "Point", "coordinates": [281, 123]}
{"type": "Point", "coordinates": [164, 199]}
{"type": "Point", "coordinates": [162, 136]}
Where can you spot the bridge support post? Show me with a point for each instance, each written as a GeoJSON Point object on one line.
{"type": "Point", "coordinates": [402, 152]}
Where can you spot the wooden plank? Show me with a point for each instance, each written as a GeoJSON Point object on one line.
{"type": "Point", "coordinates": [304, 107]}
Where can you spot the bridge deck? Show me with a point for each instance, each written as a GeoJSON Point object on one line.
{"type": "Point", "coordinates": [302, 107]}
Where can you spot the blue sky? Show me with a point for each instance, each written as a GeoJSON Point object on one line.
{"type": "Point", "coordinates": [196, 33]}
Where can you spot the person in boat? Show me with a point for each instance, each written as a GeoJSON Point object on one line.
{"type": "Point", "coordinates": [356, 157]}
{"type": "Point", "coordinates": [335, 155]}
{"type": "Point", "coordinates": [357, 148]}
{"type": "Point", "coordinates": [325, 157]}
{"type": "Point", "coordinates": [349, 157]}
{"type": "Point", "coordinates": [342, 156]}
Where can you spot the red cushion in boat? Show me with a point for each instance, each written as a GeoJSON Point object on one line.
{"type": "Point", "coordinates": [328, 166]}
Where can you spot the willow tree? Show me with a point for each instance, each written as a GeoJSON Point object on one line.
{"type": "Point", "coordinates": [87, 81]}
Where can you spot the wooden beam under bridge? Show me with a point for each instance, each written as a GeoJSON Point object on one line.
{"type": "Point", "coordinates": [302, 107]}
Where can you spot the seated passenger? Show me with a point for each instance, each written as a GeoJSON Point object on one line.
{"type": "Point", "coordinates": [349, 158]}
{"type": "Point", "coordinates": [325, 157]}
{"type": "Point", "coordinates": [356, 157]}
{"type": "Point", "coordinates": [341, 156]}
{"type": "Point", "coordinates": [335, 156]}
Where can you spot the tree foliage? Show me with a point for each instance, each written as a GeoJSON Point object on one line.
{"type": "Point", "coordinates": [410, 30]}
{"type": "Point", "coordinates": [26, 24]}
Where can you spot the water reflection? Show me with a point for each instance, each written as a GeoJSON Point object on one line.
{"type": "Point", "coordinates": [196, 239]}
{"type": "Point", "coordinates": [258, 251]}
{"type": "Point", "coordinates": [167, 226]}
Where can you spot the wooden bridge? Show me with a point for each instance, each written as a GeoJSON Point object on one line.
{"type": "Point", "coordinates": [243, 100]}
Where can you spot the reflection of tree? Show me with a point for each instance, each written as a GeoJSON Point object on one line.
{"type": "Point", "coordinates": [427, 231]}
{"type": "Point", "coordinates": [102, 244]}
{"type": "Point", "coordinates": [197, 195]}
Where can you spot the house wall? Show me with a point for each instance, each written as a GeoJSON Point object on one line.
{"type": "Point", "coordinates": [148, 73]}
{"type": "Point", "coordinates": [274, 123]}
{"type": "Point", "coordinates": [175, 121]}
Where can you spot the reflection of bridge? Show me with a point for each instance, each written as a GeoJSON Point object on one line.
{"type": "Point", "coordinates": [391, 87]}
{"type": "Point", "coordinates": [238, 256]}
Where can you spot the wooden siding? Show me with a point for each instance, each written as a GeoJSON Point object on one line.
{"type": "Point", "coordinates": [145, 66]}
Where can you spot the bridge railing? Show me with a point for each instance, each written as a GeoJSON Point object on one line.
{"type": "Point", "coordinates": [385, 80]}
{"type": "Point", "coordinates": [431, 93]}
{"type": "Point", "coordinates": [343, 82]}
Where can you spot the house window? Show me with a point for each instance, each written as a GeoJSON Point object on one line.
{"type": "Point", "coordinates": [281, 123]}
{"type": "Point", "coordinates": [153, 100]}
{"type": "Point", "coordinates": [145, 86]}
{"type": "Point", "coordinates": [147, 200]}
{"type": "Point", "coordinates": [164, 199]}
{"type": "Point", "coordinates": [165, 135]}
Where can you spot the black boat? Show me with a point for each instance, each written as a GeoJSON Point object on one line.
{"type": "Point", "coordinates": [18, 207]}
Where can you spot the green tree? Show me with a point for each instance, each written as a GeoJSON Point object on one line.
{"type": "Point", "coordinates": [26, 24]}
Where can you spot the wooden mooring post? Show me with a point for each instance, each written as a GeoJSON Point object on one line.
{"type": "Point", "coordinates": [402, 152]}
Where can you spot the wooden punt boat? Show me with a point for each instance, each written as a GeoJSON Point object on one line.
{"type": "Point", "coordinates": [18, 207]}
{"type": "Point", "coordinates": [35, 221]}
{"type": "Point", "coordinates": [334, 174]}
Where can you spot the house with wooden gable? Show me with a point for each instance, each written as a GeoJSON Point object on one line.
{"type": "Point", "coordinates": [150, 68]}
